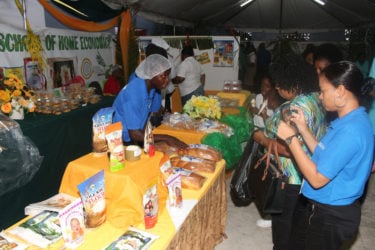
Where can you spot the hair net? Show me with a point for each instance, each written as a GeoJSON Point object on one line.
{"type": "Point", "coordinates": [152, 66]}
{"type": "Point", "coordinates": [158, 41]}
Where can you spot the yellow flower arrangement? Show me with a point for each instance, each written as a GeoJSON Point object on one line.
{"type": "Point", "coordinates": [14, 94]}
{"type": "Point", "coordinates": [199, 107]}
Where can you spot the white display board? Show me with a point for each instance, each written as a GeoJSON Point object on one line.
{"type": "Point", "coordinates": [216, 71]}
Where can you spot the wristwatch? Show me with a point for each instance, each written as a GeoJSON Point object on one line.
{"type": "Point", "coordinates": [289, 139]}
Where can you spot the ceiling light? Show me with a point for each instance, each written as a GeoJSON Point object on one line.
{"type": "Point", "coordinates": [245, 3]}
{"type": "Point", "coordinates": [321, 2]}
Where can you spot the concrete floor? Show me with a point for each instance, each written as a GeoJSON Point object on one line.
{"type": "Point", "coordinates": [243, 233]}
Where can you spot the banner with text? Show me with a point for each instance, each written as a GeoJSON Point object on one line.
{"type": "Point", "coordinates": [71, 56]}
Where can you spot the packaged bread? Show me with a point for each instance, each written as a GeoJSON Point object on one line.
{"type": "Point", "coordinates": [193, 163]}
{"type": "Point", "coordinates": [165, 148]}
{"type": "Point", "coordinates": [101, 119]}
{"type": "Point", "coordinates": [189, 179]}
{"type": "Point", "coordinates": [202, 151]}
{"type": "Point", "coordinates": [92, 192]}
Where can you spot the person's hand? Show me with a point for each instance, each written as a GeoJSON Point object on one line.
{"type": "Point", "coordinates": [254, 110]}
{"type": "Point", "coordinates": [264, 114]}
{"type": "Point", "coordinates": [298, 119]}
{"type": "Point", "coordinates": [284, 131]}
{"type": "Point", "coordinates": [258, 136]}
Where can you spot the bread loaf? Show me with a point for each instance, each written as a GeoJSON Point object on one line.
{"type": "Point", "coordinates": [193, 163]}
{"type": "Point", "coordinates": [165, 148]}
{"type": "Point", "coordinates": [202, 151]}
{"type": "Point", "coordinates": [189, 179]}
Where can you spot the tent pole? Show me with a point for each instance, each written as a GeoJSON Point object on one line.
{"type": "Point", "coordinates": [281, 16]}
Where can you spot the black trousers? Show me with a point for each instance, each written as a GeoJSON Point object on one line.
{"type": "Point", "coordinates": [282, 223]}
{"type": "Point", "coordinates": [324, 227]}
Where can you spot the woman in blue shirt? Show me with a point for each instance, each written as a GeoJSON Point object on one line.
{"type": "Point", "coordinates": [135, 102]}
{"type": "Point", "coordinates": [328, 212]}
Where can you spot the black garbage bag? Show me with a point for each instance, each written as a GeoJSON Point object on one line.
{"type": "Point", "coordinates": [19, 157]}
{"type": "Point", "coordinates": [240, 192]}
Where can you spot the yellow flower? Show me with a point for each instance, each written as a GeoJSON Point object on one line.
{"type": "Point", "coordinates": [12, 91]}
{"type": "Point", "coordinates": [4, 96]}
{"type": "Point", "coordinates": [9, 83]}
{"type": "Point", "coordinates": [17, 92]}
{"type": "Point", "coordinates": [6, 108]}
{"type": "Point", "coordinates": [203, 107]}
{"type": "Point", "coordinates": [23, 102]}
{"type": "Point", "coordinates": [18, 85]}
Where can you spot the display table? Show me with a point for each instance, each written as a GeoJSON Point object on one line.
{"type": "Point", "coordinates": [185, 135]}
{"type": "Point", "coordinates": [203, 226]}
{"type": "Point", "coordinates": [242, 96]}
{"type": "Point", "coordinates": [60, 139]}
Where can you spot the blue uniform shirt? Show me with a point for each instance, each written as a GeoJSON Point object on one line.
{"type": "Point", "coordinates": [133, 105]}
{"type": "Point", "coordinates": [344, 155]}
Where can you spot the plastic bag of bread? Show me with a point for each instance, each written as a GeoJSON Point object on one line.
{"type": "Point", "coordinates": [165, 148]}
{"type": "Point", "coordinates": [202, 151]}
{"type": "Point", "coordinates": [101, 119]}
{"type": "Point", "coordinates": [189, 179]}
{"type": "Point", "coordinates": [193, 163]}
{"type": "Point", "coordinates": [172, 179]}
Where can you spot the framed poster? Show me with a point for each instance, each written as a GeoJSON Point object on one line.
{"type": "Point", "coordinates": [34, 77]}
{"type": "Point", "coordinates": [62, 71]}
{"type": "Point", "coordinates": [223, 53]}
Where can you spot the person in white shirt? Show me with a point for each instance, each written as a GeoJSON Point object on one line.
{"type": "Point", "coordinates": [190, 76]}
{"type": "Point", "coordinates": [168, 91]}
{"type": "Point", "coordinates": [261, 109]}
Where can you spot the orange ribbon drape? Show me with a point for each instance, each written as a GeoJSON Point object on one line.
{"type": "Point", "coordinates": [76, 23]}
{"type": "Point", "coordinates": [124, 42]}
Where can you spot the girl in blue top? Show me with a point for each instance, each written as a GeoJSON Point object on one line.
{"type": "Point", "coordinates": [328, 212]}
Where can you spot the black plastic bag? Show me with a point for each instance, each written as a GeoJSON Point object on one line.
{"type": "Point", "coordinates": [19, 157]}
{"type": "Point", "coordinates": [240, 192]}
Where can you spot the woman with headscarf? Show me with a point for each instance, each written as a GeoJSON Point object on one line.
{"type": "Point", "coordinates": [135, 102]}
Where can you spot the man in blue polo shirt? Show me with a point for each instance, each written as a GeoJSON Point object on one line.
{"type": "Point", "coordinates": [136, 100]}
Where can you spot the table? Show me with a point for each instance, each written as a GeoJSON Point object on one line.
{"type": "Point", "coordinates": [185, 135]}
{"type": "Point", "coordinates": [242, 96]}
{"type": "Point", "coordinates": [204, 225]}
{"type": "Point", "coordinates": [60, 139]}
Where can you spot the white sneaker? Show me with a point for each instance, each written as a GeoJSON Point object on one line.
{"type": "Point", "coordinates": [264, 223]}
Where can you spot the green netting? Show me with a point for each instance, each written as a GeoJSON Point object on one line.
{"type": "Point", "coordinates": [230, 147]}
{"type": "Point", "coordinates": [241, 123]}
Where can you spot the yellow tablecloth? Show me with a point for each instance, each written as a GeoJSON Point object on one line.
{"type": "Point", "coordinates": [123, 189]}
{"type": "Point", "coordinates": [241, 96]}
{"type": "Point", "coordinates": [187, 136]}
{"type": "Point", "coordinates": [204, 226]}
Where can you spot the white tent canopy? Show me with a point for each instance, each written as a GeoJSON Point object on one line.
{"type": "Point", "coordinates": [261, 15]}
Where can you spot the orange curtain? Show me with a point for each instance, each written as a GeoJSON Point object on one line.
{"type": "Point", "coordinates": [124, 42]}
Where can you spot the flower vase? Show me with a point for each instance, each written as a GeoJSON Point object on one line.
{"type": "Point", "coordinates": [17, 111]}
